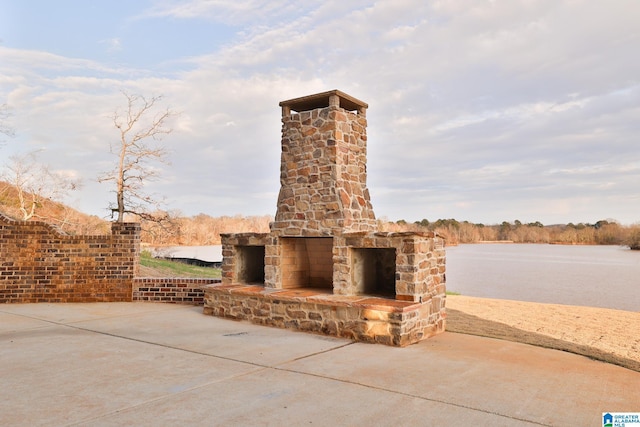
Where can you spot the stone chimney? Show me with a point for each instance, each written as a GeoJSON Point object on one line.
{"type": "Point", "coordinates": [323, 169]}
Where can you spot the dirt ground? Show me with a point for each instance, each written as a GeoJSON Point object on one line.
{"type": "Point", "coordinates": [611, 336]}
{"type": "Point", "coordinates": [150, 272]}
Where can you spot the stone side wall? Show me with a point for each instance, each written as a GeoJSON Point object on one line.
{"type": "Point", "coordinates": [373, 320]}
{"type": "Point", "coordinates": [420, 263]}
{"type": "Point", "coordinates": [177, 290]}
{"type": "Point", "coordinates": [272, 266]}
{"type": "Point", "coordinates": [420, 267]}
{"type": "Point", "coordinates": [323, 174]}
{"type": "Point", "coordinates": [41, 264]}
{"type": "Point", "coordinates": [232, 260]}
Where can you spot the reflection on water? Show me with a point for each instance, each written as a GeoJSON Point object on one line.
{"type": "Point", "coordinates": [597, 276]}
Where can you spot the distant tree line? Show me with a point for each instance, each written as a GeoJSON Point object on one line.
{"type": "Point", "coordinates": [198, 230]}
{"type": "Point", "coordinates": [203, 229]}
{"type": "Point", "coordinates": [603, 232]}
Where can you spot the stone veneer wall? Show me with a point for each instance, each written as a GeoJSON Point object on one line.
{"type": "Point", "coordinates": [233, 261]}
{"type": "Point", "coordinates": [365, 318]}
{"type": "Point", "coordinates": [415, 310]}
{"type": "Point", "coordinates": [41, 264]}
{"type": "Point", "coordinates": [323, 174]}
{"type": "Point", "coordinates": [419, 264]}
{"type": "Point", "coordinates": [178, 290]}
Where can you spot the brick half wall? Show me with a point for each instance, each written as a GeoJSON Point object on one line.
{"type": "Point", "coordinates": [176, 290]}
{"type": "Point", "coordinates": [38, 263]}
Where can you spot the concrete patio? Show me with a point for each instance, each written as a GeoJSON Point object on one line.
{"type": "Point", "coordinates": [162, 364]}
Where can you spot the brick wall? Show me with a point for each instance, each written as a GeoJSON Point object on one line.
{"type": "Point", "coordinates": [41, 264]}
{"type": "Point", "coordinates": [173, 290]}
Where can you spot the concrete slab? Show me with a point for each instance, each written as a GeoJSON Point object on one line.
{"type": "Point", "coordinates": [58, 375]}
{"type": "Point", "coordinates": [146, 363]}
{"type": "Point", "coordinates": [279, 398]}
{"type": "Point", "coordinates": [183, 327]}
{"type": "Point", "coordinates": [186, 329]}
{"type": "Point", "coordinates": [12, 322]}
{"type": "Point", "coordinates": [70, 313]}
{"type": "Point", "coordinates": [508, 379]}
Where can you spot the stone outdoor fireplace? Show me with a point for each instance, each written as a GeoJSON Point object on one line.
{"type": "Point", "coordinates": [324, 267]}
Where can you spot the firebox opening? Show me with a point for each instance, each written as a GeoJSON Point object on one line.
{"type": "Point", "coordinates": [307, 262]}
{"type": "Point", "coordinates": [374, 271]}
{"type": "Point", "coordinates": [250, 264]}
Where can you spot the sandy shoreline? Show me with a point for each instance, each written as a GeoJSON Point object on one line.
{"type": "Point", "coordinates": [612, 336]}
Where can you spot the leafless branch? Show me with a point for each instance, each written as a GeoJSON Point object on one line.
{"type": "Point", "coordinates": [35, 183]}
{"type": "Point", "coordinates": [140, 127]}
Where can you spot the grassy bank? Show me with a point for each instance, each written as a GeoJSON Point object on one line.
{"type": "Point", "coordinates": [154, 267]}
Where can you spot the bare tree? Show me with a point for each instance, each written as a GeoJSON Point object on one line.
{"type": "Point", "coordinates": [35, 184]}
{"type": "Point", "coordinates": [141, 125]}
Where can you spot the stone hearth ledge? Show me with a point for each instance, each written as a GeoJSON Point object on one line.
{"type": "Point", "coordinates": [362, 318]}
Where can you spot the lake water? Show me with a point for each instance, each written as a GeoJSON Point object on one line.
{"type": "Point", "coordinates": [596, 276]}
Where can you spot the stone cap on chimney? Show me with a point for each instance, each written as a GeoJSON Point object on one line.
{"type": "Point", "coordinates": [323, 100]}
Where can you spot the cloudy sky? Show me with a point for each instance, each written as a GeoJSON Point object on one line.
{"type": "Point", "coordinates": [478, 110]}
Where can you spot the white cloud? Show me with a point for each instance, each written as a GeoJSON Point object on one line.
{"type": "Point", "coordinates": [113, 45]}
{"type": "Point", "coordinates": [230, 12]}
